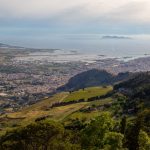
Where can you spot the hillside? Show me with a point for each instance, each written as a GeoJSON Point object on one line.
{"type": "Point", "coordinates": [85, 103]}
{"type": "Point", "coordinates": [44, 108]}
{"type": "Point", "coordinates": [94, 77]}
{"type": "Point", "coordinates": [89, 118]}
{"type": "Point", "coordinates": [137, 91]}
{"type": "Point", "coordinates": [138, 81]}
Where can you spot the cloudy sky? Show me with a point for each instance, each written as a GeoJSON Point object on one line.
{"type": "Point", "coordinates": [20, 19]}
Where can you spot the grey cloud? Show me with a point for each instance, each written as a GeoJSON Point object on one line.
{"type": "Point", "coordinates": [132, 12]}
{"type": "Point", "coordinates": [128, 11]}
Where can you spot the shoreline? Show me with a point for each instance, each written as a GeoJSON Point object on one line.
{"type": "Point", "coordinates": [62, 56]}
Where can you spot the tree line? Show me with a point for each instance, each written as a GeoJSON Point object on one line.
{"type": "Point", "coordinates": [101, 133]}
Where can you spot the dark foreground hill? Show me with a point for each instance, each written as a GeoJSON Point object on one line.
{"type": "Point", "coordinates": [139, 81]}
{"type": "Point", "coordinates": [137, 91]}
{"type": "Point", "coordinates": [94, 77]}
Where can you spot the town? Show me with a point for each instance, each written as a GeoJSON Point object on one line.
{"type": "Point", "coordinates": [23, 83]}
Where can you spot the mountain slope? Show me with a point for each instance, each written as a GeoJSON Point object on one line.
{"type": "Point", "coordinates": [137, 82]}
{"type": "Point", "coordinates": [44, 109]}
{"type": "Point", "coordinates": [93, 77]}
{"type": "Point", "coordinates": [137, 91]}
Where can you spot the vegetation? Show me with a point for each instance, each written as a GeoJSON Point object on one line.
{"type": "Point", "coordinates": [62, 113]}
{"type": "Point", "coordinates": [101, 121]}
{"type": "Point", "coordinates": [102, 132]}
{"type": "Point", "coordinates": [86, 93]}
{"type": "Point", "coordinates": [92, 78]}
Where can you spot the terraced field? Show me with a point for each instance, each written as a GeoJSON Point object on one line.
{"type": "Point", "coordinates": [43, 108]}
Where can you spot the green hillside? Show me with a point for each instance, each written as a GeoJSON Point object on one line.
{"type": "Point", "coordinates": [87, 93]}
{"type": "Point", "coordinates": [43, 108]}
{"type": "Point", "coordinates": [137, 91]}
{"type": "Point", "coordinates": [87, 119]}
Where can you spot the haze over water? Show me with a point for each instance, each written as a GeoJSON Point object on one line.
{"type": "Point", "coordinates": [110, 46]}
{"type": "Point", "coordinates": [78, 25]}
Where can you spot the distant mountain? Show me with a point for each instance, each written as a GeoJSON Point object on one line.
{"type": "Point", "coordinates": [115, 37]}
{"type": "Point", "coordinates": [93, 77]}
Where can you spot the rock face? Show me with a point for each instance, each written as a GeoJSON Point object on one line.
{"type": "Point", "coordinates": [93, 77]}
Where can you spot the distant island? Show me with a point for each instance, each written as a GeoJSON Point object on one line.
{"type": "Point", "coordinates": [115, 37]}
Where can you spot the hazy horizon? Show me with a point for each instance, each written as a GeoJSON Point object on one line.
{"type": "Point", "coordinates": [110, 45]}
{"type": "Point", "coordinates": [78, 25]}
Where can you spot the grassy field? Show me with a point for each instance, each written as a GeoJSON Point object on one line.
{"type": "Point", "coordinates": [87, 93]}
{"type": "Point", "coordinates": [63, 113]}
{"type": "Point", "coordinates": [88, 115]}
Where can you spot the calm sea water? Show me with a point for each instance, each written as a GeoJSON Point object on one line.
{"type": "Point", "coordinates": [135, 46]}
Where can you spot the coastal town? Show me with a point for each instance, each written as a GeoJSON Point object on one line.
{"type": "Point", "coordinates": [23, 83]}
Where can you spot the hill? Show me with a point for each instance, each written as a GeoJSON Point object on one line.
{"type": "Point", "coordinates": [89, 118]}
{"type": "Point", "coordinates": [137, 91]}
{"type": "Point", "coordinates": [93, 77]}
{"type": "Point", "coordinates": [138, 81]}
{"type": "Point", "coordinates": [60, 113]}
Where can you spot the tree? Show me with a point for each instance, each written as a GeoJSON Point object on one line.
{"type": "Point", "coordinates": [94, 133]}
{"type": "Point", "coordinates": [113, 141]}
{"type": "Point", "coordinates": [141, 122]}
{"type": "Point", "coordinates": [144, 141]}
{"type": "Point", "coordinates": [123, 125]}
{"type": "Point", "coordinates": [42, 135]}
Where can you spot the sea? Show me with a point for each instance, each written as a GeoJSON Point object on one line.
{"type": "Point", "coordinates": [89, 47]}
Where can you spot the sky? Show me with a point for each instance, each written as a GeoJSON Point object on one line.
{"type": "Point", "coordinates": [25, 20]}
